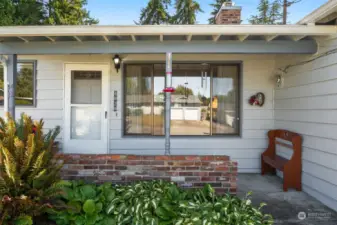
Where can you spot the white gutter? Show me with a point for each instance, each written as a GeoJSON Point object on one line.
{"type": "Point", "coordinates": [320, 13]}
{"type": "Point", "coordinates": [52, 31]}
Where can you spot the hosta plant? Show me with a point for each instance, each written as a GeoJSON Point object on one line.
{"type": "Point", "coordinates": [28, 172]}
{"type": "Point", "coordinates": [155, 203]}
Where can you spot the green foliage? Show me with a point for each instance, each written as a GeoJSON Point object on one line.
{"type": "Point", "coordinates": [268, 13]}
{"type": "Point", "coordinates": [182, 90]}
{"type": "Point", "coordinates": [29, 171]}
{"type": "Point", "coordinates": [68, 12]}
{"type": "Point", "coordinates": [186, 12]}
{"type": "Point", "coordinates": [155, 202]}
{"type": "Point", "coordinates": [216, 8]}
{"type": "Point", "coordinates": [39, 12]}
{"type": "Point", "coordinates": [156, 12]}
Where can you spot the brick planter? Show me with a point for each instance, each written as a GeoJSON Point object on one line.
{"type": "Point", "coordinates": [186, 171]}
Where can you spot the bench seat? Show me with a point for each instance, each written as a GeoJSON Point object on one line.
{"type": "Point", "coordinates": [278, 162]}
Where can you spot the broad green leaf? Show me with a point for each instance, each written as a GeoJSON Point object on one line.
{"type": "Point", "coordinates": [89, 207]}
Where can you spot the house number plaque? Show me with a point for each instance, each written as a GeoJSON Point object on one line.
{"type": "Point", "coordinates": [115, 101]}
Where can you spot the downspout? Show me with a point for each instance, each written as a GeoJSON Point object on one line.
{"type": "Point", "coordinates": [168, 91]}
{"type": "Point", "coordinates": [4, 61]}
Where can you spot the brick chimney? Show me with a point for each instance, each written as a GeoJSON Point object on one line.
{"type": "Point", "coordinates": [229, 14]}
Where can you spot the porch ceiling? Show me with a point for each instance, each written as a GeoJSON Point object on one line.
{"type": "Point", "coordinates": [250, 39]}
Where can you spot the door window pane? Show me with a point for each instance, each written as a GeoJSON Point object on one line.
{"type": "Point", "coordinates": [225, 100]}
{"type": "Point", "coordinates": [138, 100]}
{"type": "Point", "coordinates": [86, 87]}
{"type": "Point", "coordinates": [86, 123]}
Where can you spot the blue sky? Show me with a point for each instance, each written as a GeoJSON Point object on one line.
{"type": "Point", "coordinates": [125, 12]}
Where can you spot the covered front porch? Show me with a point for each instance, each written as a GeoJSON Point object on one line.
{"type": "Point", "coordinates": [262, 58]}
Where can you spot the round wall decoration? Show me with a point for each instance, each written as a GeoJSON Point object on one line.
{"type": "Point", "coordinates": [257, 99]}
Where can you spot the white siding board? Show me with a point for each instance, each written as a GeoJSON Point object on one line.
{"type": "Point", "coordinates": [315, 89]}
{"type": "Point", "coordinates": [311, 116]}
{"type": "Point", "coordinates": [321, 144]}
{"type": "Point", "coordinates": [321, 158]}
{"type": "Point", "coordinates": [50, 104]}
{"type": "Point", "coordinates": [313, 129]}
{"type": "Point", "coordinates": [261, 114]}
{"type": "Point", "coordinates": [325, 74]}
{"type": "Point", "coordinates": [324, 198]}
{"type": "Point", "coordinates": [315, 102]}
{"type": "Point", "coordinates": [49, 94]}
{"type": "Point", "coordinates": [320, 172]}
{"type": "Point", "coordinates": [258, 124]}
{"type": "Point", "coordinates": [254, 133]}
{"type": "Point", "coordinates": [50, 84]}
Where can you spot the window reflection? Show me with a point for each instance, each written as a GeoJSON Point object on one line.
{"type": "Point", "coordinates": [190, 101]}
{"type": "Point", "coordinates": [225, 102]}
{"type": "Point", "coordinates": [138, 100]}
{"type": "Point", "coordinates": [24, 84]}
{"type": "Point", "coordinates": [205, 101]}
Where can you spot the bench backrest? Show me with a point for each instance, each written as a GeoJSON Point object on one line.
{"type": "Point", "coordinates": [288, 136]}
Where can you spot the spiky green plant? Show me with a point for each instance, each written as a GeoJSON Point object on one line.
{"type": "Point", "coordinates": [29, 170]}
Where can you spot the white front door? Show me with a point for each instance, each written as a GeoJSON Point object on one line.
{"type": "Point", "coordinates": [86, 107]}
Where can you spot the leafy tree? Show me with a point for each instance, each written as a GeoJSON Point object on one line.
{"type": "Point", "coordinates": [182, 90]}
{"type": "Point", "coordinates": [186, 12]}
{"type": "Point", "coordinates": [68, 12]}
{"type": "Point", "coordinates": [29, 12]}
{"type": "Point", "coordinates": [285, 5]}
{"type": "Point", "coordinates": [274, 13]}
{"type": "Point", "coordinates": [216, 8]}
{"type": "Point", "coordinates": [268, 14]}
{"type": "Point", "coordinates": [21, 12]}
{"type": "Point", "coordinates": [6, 12]}
{"type": "Point", "coordinates": [156, 12]}
{"type": "Point", "coordinates": [37, 12]}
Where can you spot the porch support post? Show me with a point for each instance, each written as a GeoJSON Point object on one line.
{"type": "Point", "coordinates": [10, 85]}
{"type": "Point", "coordinates": [168, 90]}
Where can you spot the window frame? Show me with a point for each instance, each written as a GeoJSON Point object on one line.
{"type": "Point", "coordinates": [34, 62]}
{"type": "Point", "coordinates": [239, 65]}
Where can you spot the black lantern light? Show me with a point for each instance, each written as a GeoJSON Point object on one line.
{"type": "Point", "coordinates": [117, 61]}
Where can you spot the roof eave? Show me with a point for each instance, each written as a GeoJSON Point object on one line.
{"type": "Point", "coordinates": [318, 14]}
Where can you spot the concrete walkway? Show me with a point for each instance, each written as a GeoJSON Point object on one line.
{"type": "Point", "coordinates": [285, 206]}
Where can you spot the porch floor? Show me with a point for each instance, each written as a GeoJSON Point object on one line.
{"type": "Point", "coordinates": [284, 206]}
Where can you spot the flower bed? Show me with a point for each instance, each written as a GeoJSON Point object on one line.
{"type": "Point", "coordinates": [152, 202]}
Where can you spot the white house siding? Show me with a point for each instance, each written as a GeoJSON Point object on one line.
{"type": "Point", "coordinates": [50, 88]}
{"type": "Point", "coordinates": [257, 77]}
{"type": "Point", "coordinates": [307, 104]}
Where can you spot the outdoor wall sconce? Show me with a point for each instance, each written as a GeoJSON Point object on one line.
{"type": "Point", "coordinates": [117, 61]}
{"type": "Point", "coordinates": [257, 99]}
{"type": "Point", "coordinates": [279, 78]}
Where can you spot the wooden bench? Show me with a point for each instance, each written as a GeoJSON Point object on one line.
{"type": "Point", "coordinates": [292, 168]}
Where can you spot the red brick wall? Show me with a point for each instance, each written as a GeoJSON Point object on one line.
{"type": "Point", "coordinates": [186, 171]}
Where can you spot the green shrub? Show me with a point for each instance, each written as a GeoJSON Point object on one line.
{"type": "Point", "coordinates": [154, 202]}
{"type": "Point", "coordinates": [28, 171]}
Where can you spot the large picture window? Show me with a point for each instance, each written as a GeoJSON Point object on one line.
{"type": "Point", "coordinates": [25, 86]}
{"type": "Point", "coordinates": [205, 101]}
